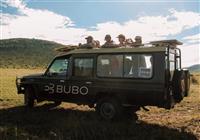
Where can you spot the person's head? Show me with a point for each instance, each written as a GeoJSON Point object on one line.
{"type": "Point", "coordinates": [107, 38]}
{"type": "Point", "coordinates": [121, 38]}
{"type": "Point", "coordinates": [89, 39]}
{"type": "Point", "coordinates": [97, 42]}
{"type": "Point", "coordinates": [138, 39]}
{"type": "Point", "coordinates": [129, 41]}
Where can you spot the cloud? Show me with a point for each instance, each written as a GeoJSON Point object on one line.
{"type": "Point", "coordinates": [192, 39]}
{"type": "Point", "coordinates": [19, 4]}
{"type": "Point", "coordinates": [3, 5]}
{"type": "Point", "coordinates": [35, 23]}
{"type": "Point", "coordinates": [190, 54]}
{"type": "Point", "coordinates": [191, 50]}
{"type": "Point", "coordinates": [45, 24]}
{"type": "Point", "coordinates": [152, 27]}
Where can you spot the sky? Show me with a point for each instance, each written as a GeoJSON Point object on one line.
{"type": "Point", "coordinates": [70, 21]}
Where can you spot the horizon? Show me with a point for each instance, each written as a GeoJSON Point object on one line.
{"type": "Point", "coordinates": [68, 22]}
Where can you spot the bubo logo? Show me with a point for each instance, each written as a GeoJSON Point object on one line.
{"type": "Point", "coordinates": [52, 88]}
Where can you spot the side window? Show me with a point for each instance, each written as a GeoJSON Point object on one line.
{"type": "Point", "coordinates": [138, 66]}
{"type": "Point", "coordinates": [59, 67]}
{"type": "Point", "coordinates": [110, 65]}
{"type": "Point", "coordinates": [83, 67]}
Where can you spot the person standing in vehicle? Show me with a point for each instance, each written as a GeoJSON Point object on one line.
{"type": "Point", "coordinates": [122, 40]}
{"type": "Point", "coordinates": [109, 42]}
{"type": "Point", "coordinates": [138, 60]}
{"type": "Point", "coordinates": [90, 43]}
{"type": "Point", "coordinates": [138, 41]}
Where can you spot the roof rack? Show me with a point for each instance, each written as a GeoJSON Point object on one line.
{"type": "Point", "coordinates": [66, 48]}
{"type": "Point", "coordinates": [172, 43]}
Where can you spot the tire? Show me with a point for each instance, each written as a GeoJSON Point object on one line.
{"type": "Point", "coordinates": [109, 109]}
{"type": "Point", "coordinates": [29, 100]}
{"type": "Point", "coordinates": [170, 101]}
{"type": "Point", "coordinates": [178, 85]}
{"type": "Point", "coordinates": [187, 83]}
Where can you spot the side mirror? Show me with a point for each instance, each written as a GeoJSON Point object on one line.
{"type": "Point", "coordinates": [50, 74]}
{"type": "Point", "coordinates": [54, 74]}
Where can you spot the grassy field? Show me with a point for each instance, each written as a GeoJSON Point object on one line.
{"type": "Point", "coordinates": [72, 122]}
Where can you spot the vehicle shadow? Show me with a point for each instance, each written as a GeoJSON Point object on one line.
{"type": "Point", "coordinates": [57, 123]}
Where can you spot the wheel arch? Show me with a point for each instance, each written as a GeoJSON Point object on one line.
{"type": "Point", "coordinates": [101, 95]}
{"type": "Point", "coordinates": [33, 89]}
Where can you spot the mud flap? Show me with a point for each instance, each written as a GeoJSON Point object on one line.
{"type": "Point", "coordinates": [187, 82]}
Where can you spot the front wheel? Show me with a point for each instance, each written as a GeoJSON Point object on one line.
{"type": "Point", "coordinates": [109, 109]}
{"type": "Point", "coordinates": [29, 100]}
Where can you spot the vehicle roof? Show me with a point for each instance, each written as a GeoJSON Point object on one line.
{"type": "Point", "coordinates": [114, 50]}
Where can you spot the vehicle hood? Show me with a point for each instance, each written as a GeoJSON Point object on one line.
{"type": "Point", "coordinates": [38, 75]}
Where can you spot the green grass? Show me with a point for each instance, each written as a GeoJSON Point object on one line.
{"type": "Point", "coordinates": [73, 122]}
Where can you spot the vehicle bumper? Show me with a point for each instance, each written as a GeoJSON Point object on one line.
{"type": "Point", "coordinates": [19, 85]}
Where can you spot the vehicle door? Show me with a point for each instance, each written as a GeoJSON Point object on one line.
{"type": "Point", "coordinates": [82, 77]}
{"type": "Point", "coordinates": [54, 83]}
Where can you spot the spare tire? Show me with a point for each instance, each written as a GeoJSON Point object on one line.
{"type": "Point", "coordinates": [187, 82]}
{"type": "Point", "coordinates": [178, 85]}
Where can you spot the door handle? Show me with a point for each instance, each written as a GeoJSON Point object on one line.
{"type": "Point", "coordinates": [62, 81]}
{"type": "Point", "coordinates": [88, 82]}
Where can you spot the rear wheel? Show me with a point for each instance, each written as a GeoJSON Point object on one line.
{"type": "Point", "coordinates": [109, 109]}
{"type": "Point", "coordinates": [29, 100]}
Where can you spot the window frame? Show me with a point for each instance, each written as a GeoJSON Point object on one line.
{"type": "Point", "coordinates": [123, 77]}
{"type": "Point", "coordinates": [169, 59]}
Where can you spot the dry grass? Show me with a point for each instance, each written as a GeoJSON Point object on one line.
{"type": "Point", "coordinates": [7, 84]}
{"type": "Point", "coordinates": [70, 121]}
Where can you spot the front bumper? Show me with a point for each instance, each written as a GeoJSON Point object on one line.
{"type": "Point", "coordinates": [19, 85]}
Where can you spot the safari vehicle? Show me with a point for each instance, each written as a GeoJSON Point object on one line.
{"type": "Point", "coordinates": [113, 80]}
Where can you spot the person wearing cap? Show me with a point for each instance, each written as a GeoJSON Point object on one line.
{"type": "Point", "coordinates": [90, 43]}
{"type": "Point", "coordinates": [122, 40]}
{"type": "Point", "coordinates": [138, 41]}
{"type": "Point", "coordinates": [141, 62]}
{"type": "Point", "coordinates": [109, 42]}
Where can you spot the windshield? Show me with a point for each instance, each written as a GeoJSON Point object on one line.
{"type": "Point", "coordinates": [59, 67]}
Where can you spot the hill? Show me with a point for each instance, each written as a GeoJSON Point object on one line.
{"type": "Point", "coordinates": [26, 53]}
{"type": "Point", "coordinates": [194, 68]}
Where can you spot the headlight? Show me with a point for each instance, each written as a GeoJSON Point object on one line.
{"type": "Point", "coordinates": [18, 80]}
